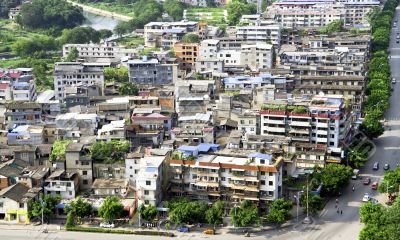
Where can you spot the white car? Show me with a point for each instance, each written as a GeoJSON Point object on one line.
{"type": "Point", "coordinates": [393, 80]}
{"type": "Point", "coordinates": [366, 197]}
{"type": "Point", "coordinates": [107, 225]}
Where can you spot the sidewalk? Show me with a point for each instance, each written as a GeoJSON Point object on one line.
{"type": "Point", "coordinates": [16, 226]}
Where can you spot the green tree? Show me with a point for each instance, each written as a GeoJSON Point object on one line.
{"type": "Point", "coordinates": [50, 14]}
{"type": "Point", "coordinates": [357, 158]}
{"type": "Point", "coordinates": [105, 33]}
{"type": "Point", "coordinates": [191, 38]}
{"type": "Point", "coordinates": [72, 55]}
{"type": "Point", "coordinates": [371, 126]}
{"type": "Point", "coordinates": [78, 208]}
{"type": "Point", "coordinates": [58, 150]}
{"type": "Point", "coordinates": [148, 213]}
{"type": "Point", "coordinates": [111, 209]}
{"type": "Point", "coordinates": [188, 212]}
{"type": "Point", "coordinates": [109, 152]}
{"type": "Point", "coordinates": [237, 8]}
{"type": "Point", "coordinates": [70, 220]}
{"type": "Point", "coordinates": [391, 181]}
{"type": "Point", "coordinates": [80, 35]}
{"type": "Point", "coordinates": [129, 89]}
{"type": "Point", "coordinates": [174, 8]}
{"type": "Point", "coordinates": [5, 6]}
{"type": "Point", "coordinates": [332, 27]}
{"type": "Point", "coordinates": [49, 206]}
{"type": "Point", "coordinates": [119, 75]}
{"type": "Point", "coordinates": [37, 47]}
{"type": "Point", "coordinates": [245, 214]}
{"type": "Point", "coordinates": [334, 176]}
{"type": "Point", "coordinates": [279, 211]}
{"type": "Point", "coordinates": [315, 203]}
{"type": "Point", "coordinates": [215, 214]}
{"type": "Point", "coordinates": [122, 28]}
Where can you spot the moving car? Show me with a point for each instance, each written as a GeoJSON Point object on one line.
{"type": "Point", "coordinates": [107, 225]}
{"type": "Point", "coordinates": [375, 185]}
{"type": "Point", "coordinates": [366, 197]}
{"type": "Point", "coordinates": [355, 174]}
{"type": "Point", "coordinates": [209, 231]}
{"type": "Point", "coordinates": [183, 229]}
{"type": "Point", "coordinates": [376, 166]}
{"type": "Point", "coordinates": [367, 181]}
{"type": "Point", "coordinates": [393, 80]}
{"type": "Point", "coordinates": [397, 41]}
{"type": "Point", "coordinates": [386, 167]}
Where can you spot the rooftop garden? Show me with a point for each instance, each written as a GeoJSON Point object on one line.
{"type": "Point", "coordinates": [178, 155]}
{"type": "Point", "coordinates": [297, 109]}
{"type": "Point", "coordinates": [273, 107]}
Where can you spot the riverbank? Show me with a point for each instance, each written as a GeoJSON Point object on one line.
{"type": "Point", "coordinates": [101, 12]}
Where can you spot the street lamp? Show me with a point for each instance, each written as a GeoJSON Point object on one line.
{"type": "Point", "coordinates": [297, 197]}
{"type": "Point", "coordinates": [307, 220]}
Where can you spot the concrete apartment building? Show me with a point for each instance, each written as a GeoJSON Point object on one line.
{"type": "Point", "coordinates": [18, 85]}
{"type": "Point", "coordinates": [323, 119]}
{"type": "Point", "coordinates": [236, 53]}
{"type": "Point", "coordinates": [75, 73]}
{"type": "Point", "coordinates": [269, 33]}
{"type": "Point", "coordinates": [23, 113]}
{"type": "Point", "coordinates": [166, 34]}
{"type": "Point", "coordinates": [187, 53]}
{"type": "Point", "coordinates": [255, 177]}
{"type": "Point", "coordinates": [151, 72]}
{"type": "Point", "coordinates": [316, 13]}
{"type": "Point", "coordinates": [249, 83]}
{"type": "Point", "coordinates": [96, 52]}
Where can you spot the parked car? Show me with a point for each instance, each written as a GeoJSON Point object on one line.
{"type": "Point", "coordinates": [393, 80]}
{"type": "Point", "coordinates": [209, 231]}
{"type": "Point", "coordinates": [366, 197]}
{"type": "Point", "coordinates": [367, 181]}
{"type": "Point", "coordinates": [376, 166]}
{"type": "Point", "coordinates": [386, 167]}
{"type": "Point", "coordinates": [183, 229]}
{"type": "Point", "coordinates": [375, 185]}
{"type": "Point", "coordinates": [107, 225]}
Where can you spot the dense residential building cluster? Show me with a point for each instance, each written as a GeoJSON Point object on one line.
{"type": "Point", "coordinates": [226, 118]}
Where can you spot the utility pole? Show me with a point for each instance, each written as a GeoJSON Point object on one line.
{"type": "Point", "coordinates": [307, 220]}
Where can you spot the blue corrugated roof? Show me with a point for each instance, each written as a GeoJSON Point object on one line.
{"type": "Point", "coordinates": [187, 148]}
{"type": "Point", "coordinates": [260, 155]}
{"type": "Point", "coordinates": [205, 147]}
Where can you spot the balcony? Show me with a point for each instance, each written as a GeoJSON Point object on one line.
{"type": "Point", "coordinates": [55, 188]}
{"type": "Point", "coordinates": [299, 131]}
{"type": "Point", "coordinates": [269, 121]}
{"type": "Point", "coordinates": [300, 124]}
{"type": "Point", "coordinates": [276, 129]}
{"type": "Point", "coordinates": [323, 125]}
{"type": "Point", "coordinates": [243, 187]}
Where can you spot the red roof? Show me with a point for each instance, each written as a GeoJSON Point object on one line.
{"type": "Point", "coordinates": [4, 85]}
{"type": "Point", "coordinates": [11, 74]}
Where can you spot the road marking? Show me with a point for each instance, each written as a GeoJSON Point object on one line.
{"type": "Point", "coordinates": [395, 57]}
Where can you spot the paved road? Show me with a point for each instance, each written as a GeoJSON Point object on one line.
{"type": "Point", "coordinates": [101, 12]}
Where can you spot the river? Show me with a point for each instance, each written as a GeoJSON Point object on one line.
{"type": "Point", "coordinates": [99, 22]}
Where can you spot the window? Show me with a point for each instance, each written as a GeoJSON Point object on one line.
{"type": "Point", "coordinates": [84, 173]}
{"type": "Point", "coordinates": [136, 171]}
{"type": "Point", "coordinates": [222, 178]}
{"type": "Point", "coordinates": [76, 162]}
{"type": "Point", "coordinates": [21, 205]}
{"type": "Point", "coordinates": [262, 173]}
{"type": "Point", "coordinates": [194, 176]}
{"type": "Point", "coordinates": [70, 193]}
{"type": "Point", "coordinates": [262, 182]}
{"type": "Point", "coordinates": [222, 169]}
{"type": "Point", "coordinates": [85, 182]}
{"type": "Point", "coordinates": [131, 175]}
{"type": "Point", "coordinates": [68, 184]}
{"type": "Point", "coordinates": [148, 183]}
{"type": "Point", "coordinates": [1, 204]}
{"type": "Point", "coordinates": [271, 183]}
{"type": "Point", "coordinates": [146, 192]}
{"type": "Point", "coordinates": [262, 161]}
{"type": "Point", "coordinates": [146, 202]}
{"type": "Point", "coordinates": [130, 167]}
{"type": "Point", "coordinates": [271, 174]}
{"type": "Point", "coordinates": [57, 192]}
